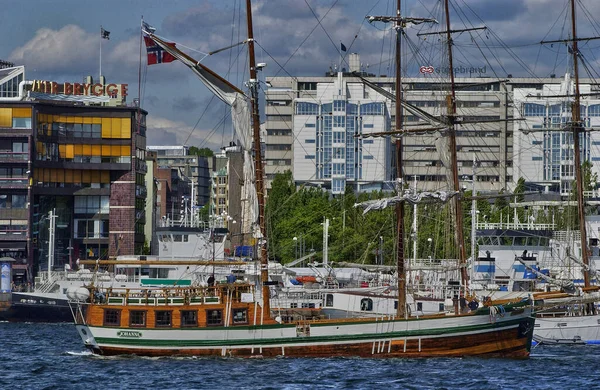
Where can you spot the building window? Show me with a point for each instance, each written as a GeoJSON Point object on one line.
{"type": "Point", "coordinates": [239, 316]}
{"type": "Point", "coordinates": [214, 317]}
{"type": "Point", "coordinates": [339, 121]}
{"type": "Point", "coordinates": [112, 317]}
{"type": "Point", "coordinates": [533, 109]}
{"type": "Point", "coordinates": [189, 318]}
{"type": "Point", "coordinates": [163, 318]}
{"type": "Point", "coordinates": [21, 123]}
{"type": "Point", "coordinates": [303, 108]}
{"type": "Point", "coordinates": [371, 109]}
{"type": "Point", "coordinates": [137, 318]}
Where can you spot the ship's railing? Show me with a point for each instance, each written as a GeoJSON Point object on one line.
{"type": "Point", "coordinates": [173, 296]}
{"type": "Point", "coordinates": [515, 226]}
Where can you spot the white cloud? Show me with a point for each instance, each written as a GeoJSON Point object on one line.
{"type": "Point", "coordinates": [163, 131]}
{"type": "Point", "coordinates": [68, 50]}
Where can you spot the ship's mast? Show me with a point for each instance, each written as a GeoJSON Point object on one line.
{"type": "Point", "coordinates": [400, 265]}
{"type": "Point", "coordinates": [264, 265]}
{"type": "Point", "coordinates": [400, 24]}
{"type": "Point", "coordinates": [577, 128]}
{"type": "Point", "coordinates": [451, 104]}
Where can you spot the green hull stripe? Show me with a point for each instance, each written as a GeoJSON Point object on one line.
{"type": "Point", "coordinates": [311, 339]}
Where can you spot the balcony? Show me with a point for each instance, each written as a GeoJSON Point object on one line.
{"type": "Point", "coordinates": [13, 182]}
{"type": "Point", "coordinates": [13, 157]}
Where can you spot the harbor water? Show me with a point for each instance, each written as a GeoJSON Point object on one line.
{"type": "Point", "coordinates": [51, 356]}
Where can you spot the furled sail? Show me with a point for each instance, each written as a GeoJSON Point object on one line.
{"type": "Point", "coordinates": [241, 118]}
{"type": "Point", "coordinates": [421, 197]}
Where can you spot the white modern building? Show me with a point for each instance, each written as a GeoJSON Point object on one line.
{"type": "Point", "coordinates": [311, 124]}
{"type": "Point", "coordinates": [327, 149]}
{"type": "Point", "coordinates": [543, 153]}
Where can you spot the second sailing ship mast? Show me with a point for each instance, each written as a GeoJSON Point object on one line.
{"type": "Point", "coordinates": [577, 128]}
{"type": "Point", "coordinates": [258, 167]}
{"type": "Point", "coordinates": [451, 103]}
{"type": "Point", "coordinates": [400, 264]}
{"type": "Point", "coordinates": [400, 24]}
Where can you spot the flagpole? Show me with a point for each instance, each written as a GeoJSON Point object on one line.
{"type": "Point", "coordinates": [140, 73]}
{"type": "Point", "coordinates": [100, 71]}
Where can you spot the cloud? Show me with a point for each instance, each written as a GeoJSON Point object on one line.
{"type": "Point", "coordinates": [163, 131]}
{"type": "Point", "coordinates": [70, 50]}
{"type": "Point", "coordinates": [187, 103]}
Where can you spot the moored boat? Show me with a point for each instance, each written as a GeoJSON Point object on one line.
{"type": "Point", "coordinates": [226, 320]}
{"type": "Point", "coordinates": [235, 319]}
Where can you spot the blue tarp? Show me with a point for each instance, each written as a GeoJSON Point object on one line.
{"type": "Point", "coordinates": [242, 251]}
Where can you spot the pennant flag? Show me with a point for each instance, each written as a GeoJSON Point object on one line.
{"type": "Point", "coordinates": [343, 47]}
{"type": "Point", "coordinates": [104, 34]}
{"type": "Point", "coordinates": [148, 28]}
{"type": "Point", "coordinates": [156, 54]}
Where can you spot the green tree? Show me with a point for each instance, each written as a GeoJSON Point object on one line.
{"type": "Point", "coordinates": [146, 248]}
{"type": "Point", "coordinates": [203, 152]}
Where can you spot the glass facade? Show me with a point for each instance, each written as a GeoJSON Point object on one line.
{"type": "Point", "coordinates": [338, 152]}
{"type": "Point", "coordinates": [557, 146]}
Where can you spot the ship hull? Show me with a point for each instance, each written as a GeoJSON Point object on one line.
{"type": "Point", "coordinates": [568, 330]}
{"type": "Point", "coordinates": [29, 307]}
{"type": "Point", "coordinates": [445, 336]}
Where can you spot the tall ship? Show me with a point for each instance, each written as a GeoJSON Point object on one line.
{"type": "Point", "coordinates": [236, 318]}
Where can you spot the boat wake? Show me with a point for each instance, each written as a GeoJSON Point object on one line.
{"type": "Point", "coordinates": [82, 353]}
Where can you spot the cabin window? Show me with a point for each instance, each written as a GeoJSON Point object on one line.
{"type": "Point", "coordinates": [214, 317]}
{"type": "Point", "coordinates": [239, 316]}
{"type": "Point", "coordinates": [163, 318]}
{"type": "Point", "coordinates": [419, 306]}
{"type": "Point", "coordinates": [293, 305]}
{"type": "Point", "coordinates": [189, 318]}
{"type": "Point", "coordinates": [137, 318]}
{"type": "Point", "coordinates": [366, 304]}
{"type": "Point", "coordinates": [329, 300]}
{"type": "Point", "coordinates": [112, 317]}
{"type": "Point", "coordinates": [441, 307]}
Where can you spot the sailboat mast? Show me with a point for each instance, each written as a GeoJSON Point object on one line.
{"type": "Point", "coordinates": [258, 165]}
{"type": "Point", "coordinates": [451, 104]}
{"type": "Point", "coordinates": [401, 271]}
{"type": "Point", "coordinates": [577, 128]}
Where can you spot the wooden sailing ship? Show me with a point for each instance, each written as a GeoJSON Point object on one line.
{"type": "Point", "coordinates": [235, 319]}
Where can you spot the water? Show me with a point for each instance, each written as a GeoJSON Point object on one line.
{"type": "Point", "coordinates": [51, 356]}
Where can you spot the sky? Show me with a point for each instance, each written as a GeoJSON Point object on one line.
{"type": "Point", "coordinates": [59, 40]}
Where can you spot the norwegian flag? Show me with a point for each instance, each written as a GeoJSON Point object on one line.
{"type": "Point", "coordinates": [156, 54]}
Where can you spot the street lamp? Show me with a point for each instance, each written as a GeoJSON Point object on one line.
{"type": "Point", "coordinates": [295, 247]}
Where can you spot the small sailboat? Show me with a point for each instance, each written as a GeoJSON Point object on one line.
{"type": "Point", "coordinates": [235, 319]}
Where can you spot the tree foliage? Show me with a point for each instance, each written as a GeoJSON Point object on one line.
{"type": "Point", "coordinates": [203, 152]}
{"type": "Point", "coordinates": [353, 235]}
